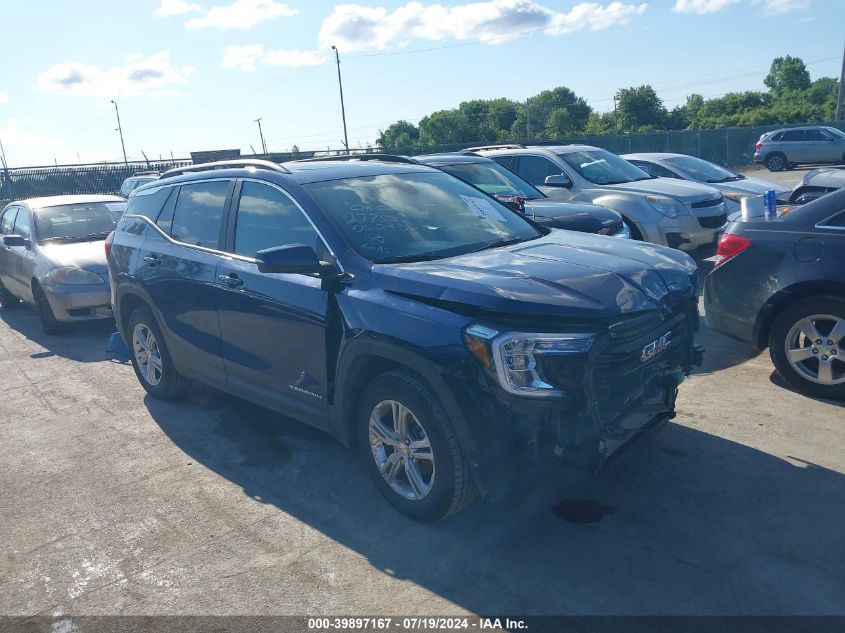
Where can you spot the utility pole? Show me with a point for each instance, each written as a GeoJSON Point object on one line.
{"type": "Point", "coordinates": [841, 97]}
{"type": "Point", "coordinates": [261, 134]}
{"type": "Point", "coordinates": [342, 108]}
{"type": "Point", "coordinates": [6, 172]}
{"type": "Point", "coordinates": [120, 129]}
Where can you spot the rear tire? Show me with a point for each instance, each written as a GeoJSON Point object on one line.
{"type": "Point", "coordinates": [776, 162]}
{"type": "Point", "coordinates": [49, 323]}
{"type": "Point", "coordinates": [411, 450]}
{"type": "Point", "coordinates": [151, 359]}
{"type": "Point", "coordinates": [807, 344]}
{"type": "Point", "coordinates": [7, 299]}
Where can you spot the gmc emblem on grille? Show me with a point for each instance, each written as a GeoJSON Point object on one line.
{"type": "Point", "coordinates": [655, 347]}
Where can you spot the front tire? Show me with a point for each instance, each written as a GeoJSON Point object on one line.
{"type": "Point", "coordinates": [49, 323]}
{"type": "Point", "coordinates": [776, 162]}
{"type": "Point", "coordinates": [410, 448]}
{"type": "Point", "coordinates": [807, 346]}
{"type": "Point", "coordinates": [151, 359]}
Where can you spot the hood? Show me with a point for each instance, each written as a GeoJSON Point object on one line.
{"type": "Point", "coordinates": [682, 190]}
{"type": "Point", "coordinates": [86, 255]}
{"type": "Point", "coordinates": [563, 274]}
{"type": "Point", "coordinates": [588, 218]}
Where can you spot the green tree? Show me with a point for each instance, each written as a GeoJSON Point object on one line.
{"type": "Point", "coordinates": [787, 73]}
{"type": "Point", "coordinates": [639, 107]}
{"type": "Point", "coordinates": [398, 136]}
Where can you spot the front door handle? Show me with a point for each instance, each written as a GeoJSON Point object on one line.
{"type": "Point", "coordinates": [152, 260]}
{"type": "Point", "coordinates": [231, 280]}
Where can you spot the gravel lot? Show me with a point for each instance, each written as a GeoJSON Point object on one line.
{"type": "Point", "coordinates": [113, 503]}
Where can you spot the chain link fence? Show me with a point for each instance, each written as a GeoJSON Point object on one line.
{"type": "Point", "coordinates": [725, 146]}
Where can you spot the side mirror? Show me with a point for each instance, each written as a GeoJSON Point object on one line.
{"type": "Point", "coordinates": [559, 180]}
{"type": "Point", "coordinates": [293, 259]}
{"type": "Point", "coordinates": [16, 240]}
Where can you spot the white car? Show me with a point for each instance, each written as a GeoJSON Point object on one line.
{"type": "Point", "coordinates": [734, 187]}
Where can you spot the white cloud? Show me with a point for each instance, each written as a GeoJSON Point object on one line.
{"type": "Point", "coordinates": [176, 7]}
{"type": "Point", "coordinates": [780, 7]}
{"type": "Point", "coordinates": [19, 139]}
{"type": "Point", "coordinates": [702, 6]}
{"type": "Point", "coordinates": [4, 98]}
{"type": "Point", "coordinates": [352, 27]}
{"type": "Point", "coordinates": [138, 77]}
{"type": "Point", "coordinates": [241, 14]}
{"type": "Point", "coordinates": [246, 57]}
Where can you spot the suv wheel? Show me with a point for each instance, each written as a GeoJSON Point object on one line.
{"type": "Point", "coordinates": [776, 162]}
{"type": "Point", "coordinates": [49, 323]}
{"type": "Point", "coordinates": [151, 359]}
{"type": "Point", "coordinates": [807, 346]}
{"type": "Point", "coordinates": [410, 448]}
{"type": "Point", "coordinates": [7, 299]}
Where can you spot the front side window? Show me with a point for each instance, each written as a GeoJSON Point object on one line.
{"type": "Point", "coordinates": [535, 169]}
{"type": "Point", "coordinates": [84, 221]}
{"type": "Point", "coordinates": [603, 168]}
{"type": "Point", "coordinates": [22, 225]}
{"type": "Point", "coordinates": [7, 222]}
{"type": "Point", "coordinates": [199, 212]}
{"type": "Point", "coordinates": [417, 216]}
{"type": "Point", "coordinates": [818, 135]}
{"type": "Point", "coordinates": [493, 179]}
{"type": "Point", "coordinates": [267, 218]}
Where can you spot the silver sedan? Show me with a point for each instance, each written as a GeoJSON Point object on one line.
{"type": "Point", "coordinates": [53, 257]}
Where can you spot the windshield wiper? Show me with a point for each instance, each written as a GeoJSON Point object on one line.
{"type": "Point", "coordinates": [99, 234]}
{"type": "Point", "coordinates": [63, 238]}
{"type": "Point", "coordinates": [407, 259]}
{"type": "Point", "coordinates": [496, 244]}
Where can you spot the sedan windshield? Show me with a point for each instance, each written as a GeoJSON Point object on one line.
{"type": "Point", "coordinates": [85, 221]}
{"type": "Point", "coordinates": [701, 170]}
{"type": "Point", "coordinates": [494, 179]}
{"type": "Point", "coordinates": [417, 216]}
{"type": "Point", "coordinates": [603, 168]}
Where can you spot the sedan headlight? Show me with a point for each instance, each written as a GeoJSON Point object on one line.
{"type": "Point", "coordinates": [667, 206]}
{"type": "Point", "coordinates": [74, 276]}
{"type": "Point", "coordinates": [513, 356]}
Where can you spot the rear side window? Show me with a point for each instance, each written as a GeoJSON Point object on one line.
{"type": "Point", "coordinates": [267, 218]}
{"type": "Point", "coordinates": [8, 221]}
{"type": "Point", "coordinates": [535, 169]}
{"type": "Point", "coordinates": [198, 213]}
{"type": "Point", "coordinates": [837, 220]}
{"type": "Point", "coordinates": [148, 203]}
{"type": "Point", "coordinates": [792, 135]}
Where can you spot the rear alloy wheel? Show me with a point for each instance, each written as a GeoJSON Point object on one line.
{"type": "Point", "coordinates": [807, 346]}
{"type": "Point", "coordinates": [49, 323]}
{"type": "Point", "coordinates": [776, 162]}
{"type": "Point", "coordinates": [411, 450]}
{"type": "Point", "coordinates": [151, 359]}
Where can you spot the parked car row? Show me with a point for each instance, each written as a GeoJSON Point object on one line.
{"type": "Point", "coordinates": [429, 310]}
{"type": "Point", "coordinates": [786, 148]}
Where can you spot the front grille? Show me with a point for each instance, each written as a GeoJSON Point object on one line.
{"type": "Point", "coordinates": [704, 204]}
{"type": "Point", "coordinates": [713, 221]}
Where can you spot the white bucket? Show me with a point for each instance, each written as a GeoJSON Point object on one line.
{"type": "Point", "coordinates": [752, 208]}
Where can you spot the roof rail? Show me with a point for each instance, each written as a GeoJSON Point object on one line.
{"type": "Point", "coordinates": [491, 147]}
{"type": "Point", "coordinates": [226, 164]}
{"type": "Point", "coordinates": [387, 158]}
{"type": "Point", "coordinates": [145, 173]}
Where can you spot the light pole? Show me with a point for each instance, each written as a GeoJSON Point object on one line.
{"type": "Point", "coordinates": [342, 108]}
{"type": "Point", "coordinates": [120, 129]}
{"type": "Point", "coordinates": [261, 134]}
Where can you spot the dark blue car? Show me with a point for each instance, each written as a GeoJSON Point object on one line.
{"type": "Point", "coordinates": [405, 312]}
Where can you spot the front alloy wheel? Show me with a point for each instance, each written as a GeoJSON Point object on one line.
{"type": "Point", "coordinates": [401, 450]}
{"type": "Point", "coordinates": [814, 349]}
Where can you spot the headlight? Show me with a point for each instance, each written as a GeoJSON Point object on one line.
{"type": "Point", "coordinates": [514, 356]}
{"type": "Point", "coordinates": [74, 276]}
{"type": "Point", "coordinates": [666, 206]}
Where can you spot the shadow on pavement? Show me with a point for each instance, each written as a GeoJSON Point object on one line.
{"type": "Point", "coordinates": [776, 379]}
{"type": "Point", "coordinates": [84, 342]}
{"type": "Point", "coordinates": [692, 523]}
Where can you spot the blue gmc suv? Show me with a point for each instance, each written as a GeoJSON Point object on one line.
{"type": "Point", "coordinates": [405, 312]}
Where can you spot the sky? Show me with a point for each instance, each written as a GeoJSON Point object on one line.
{"type": "Point", "coordinates": [191, 75]}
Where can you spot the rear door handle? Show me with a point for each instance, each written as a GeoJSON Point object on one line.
{"type": "Point", "coordinates": [231, 280]}
{"type": "Point", "coordinates": [152, 260]}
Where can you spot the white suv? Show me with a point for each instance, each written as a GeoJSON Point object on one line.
{"type": "Point", "coordinates": [665, 211]}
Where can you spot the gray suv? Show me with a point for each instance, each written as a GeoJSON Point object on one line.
{"type": "Point", "coordinates": [683, 215]}
{"type": "Point", "coordinates": [784, 149]}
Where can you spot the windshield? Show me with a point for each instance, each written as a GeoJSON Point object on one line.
{"type": "Point", "coordinates": [603, 168]}
{"type": "Point", "coordinates": [417, 216]}
{"type": "Point", "coordinates": [494, 179]}
{"type": "Point", "coordinates": [77, 222]}
{"type": "Point", "coordinates": [701, 170]}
